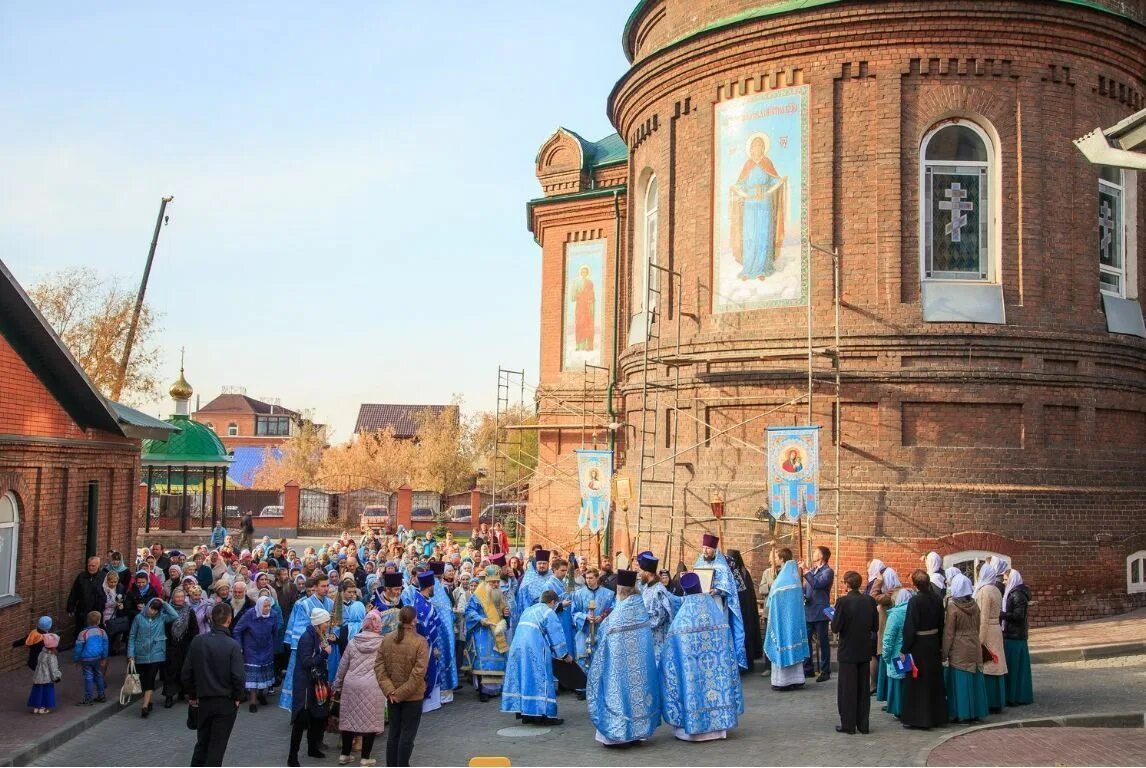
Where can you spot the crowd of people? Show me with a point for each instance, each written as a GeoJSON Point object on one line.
{"type": "Point", "coordinates": [366, 634]}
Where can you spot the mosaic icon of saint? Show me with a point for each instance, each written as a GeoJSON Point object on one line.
{"type": "Point", "coordinates": [758, 206]}
{"type": "Point", "coordinates": [584, 298]}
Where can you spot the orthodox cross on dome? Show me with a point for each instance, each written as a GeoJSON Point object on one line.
{"type": "Point", "coordinates": [957, 205]}
{"type": "Point", "coordinates": [1105, 229]}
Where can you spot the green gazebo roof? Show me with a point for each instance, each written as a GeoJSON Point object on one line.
{"type": "Point", "coordinates": [195, 443]}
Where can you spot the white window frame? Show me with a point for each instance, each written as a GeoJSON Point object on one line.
{"type": "Point", "coordinates": [232, 430]}
{"type": "Point", "coordinates": [979, 556]}
{"type": "Point", "coordinates": [989, 254]}
{"type": "Point", "coordinates": [1133, 588]}
{"type": "Point", "coordinates": [649, 222]}
{"type": "Point", "coordinates": [1121, 273]}
{"type": "Point", "coordinates": [9, 589]}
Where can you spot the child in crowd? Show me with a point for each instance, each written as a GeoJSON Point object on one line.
{"type": "Point", "coordinates": [42, 699]}
{"type": "Point", "coordinates": [35, 640]}
{"type": "Point", "coordinates": [91, 654]}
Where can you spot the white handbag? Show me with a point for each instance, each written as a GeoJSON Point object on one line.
{"type": "Point", "coordinates": [131, 685]}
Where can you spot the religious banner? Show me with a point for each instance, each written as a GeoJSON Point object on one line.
{"type": "Point", "coordinates": [793, 471]}
{"type": "Point", "coordinates": [584, 302]}
{"type": "Point", "coordinates": [760, 201]}
{"type": "Point", "coordinates": [594, 475]}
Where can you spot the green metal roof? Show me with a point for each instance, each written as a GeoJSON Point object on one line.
{"type": "Point", "coordinates": [601, 192]}
{"type": "Point", "coordinates": [195, 443]}
{"type": "Point", "coordinates": [138, 424]}
{"type": "Point", "coordinates": [1113, 7]}
{"type": "Point", "coordinates": [608, 151]}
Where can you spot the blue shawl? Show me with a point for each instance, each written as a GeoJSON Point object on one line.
{"type": "Point", "coordinates": [786, 641]}
{"type": "Point", "coordinates": [700, 681]}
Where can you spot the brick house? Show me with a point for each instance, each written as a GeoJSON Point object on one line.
{"type": "Point", "coordinates": [69, 470]}
{"type": "Point", "coordinates": [990, 329]}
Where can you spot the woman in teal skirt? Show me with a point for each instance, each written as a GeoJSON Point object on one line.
{"type": "Point", "coordinates": [966, 688]}
{"type": "Point", "coordinates": [1016, 598]}
{"type": "Point", "coordinates": [890, 587]}
{"type": "Point", "coordinates": [892, 648]}
{"type": "Point", "coordinates": [990, 601]}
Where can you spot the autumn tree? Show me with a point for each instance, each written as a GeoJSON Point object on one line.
{"type": "Point", "coordinates": [518, 448]}
{"type": "Point", "coordinates": [299, 459]}
{"type": "Point", "coordinates": [91, 316]}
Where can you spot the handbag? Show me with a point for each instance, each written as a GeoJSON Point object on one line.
{"type": "Point", "coordinates": [318, 694]}
{"type": "Point", "coordinates": [131, 685]}
{"type": "Point", "coordinates": [332, 718]}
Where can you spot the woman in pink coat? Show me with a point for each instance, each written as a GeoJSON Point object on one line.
{"type": "Point", "coordinates": [362, 703]}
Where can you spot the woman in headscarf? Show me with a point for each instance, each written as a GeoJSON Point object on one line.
{"type": "Point", "coordinates": [874, 584]}
{"type": "Point", "coordinates": [263, 581]}
{"type": "Point", "coordinates": [889, 586]}
{"type": "Point", "coordinates": [256, 633]}
{"type": "Point", "coordinates": [310, 664]}
{"type": "Point", "coordinates": [1016, 599]}
{"type": "Point", "coordinates": [892, 649]}
{"type": "Point", "coordinates": [924, 703]}
{"type": "Point", "coordinates": [174, 580]}
{"type": "Point", "coordinates": [201, 605]}
{"type": "Point", "coordinates": [746, 592]}
{"type": "Point", "coordinates": [362, 703]}
{"type": "Point", "coordinates": [966, 688]}
{"type": "Point", "coordinates": [147, 646]}
{"type": "Point", "coordinates": [933, 564]}
{"type": "Point", "coordinates": [139, 594]}
{"type": "Point", "coordinates": [990, 602]}
{"type": "Point", "coordinates": [179, 635]}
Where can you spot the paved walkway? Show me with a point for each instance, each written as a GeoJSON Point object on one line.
{"type": "Point", "coordinates": [1044, 746]}
{"type": "Point", "coordinates": [777, 729]}
{"type": "Point", "coordinates": [1090, 639]}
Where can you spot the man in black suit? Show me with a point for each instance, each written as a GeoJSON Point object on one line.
{"type": "Point", "coordinates": [856, 622]}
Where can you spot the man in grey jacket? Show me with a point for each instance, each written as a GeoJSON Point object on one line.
{"type": "Point", "coordinates": [214, 679]}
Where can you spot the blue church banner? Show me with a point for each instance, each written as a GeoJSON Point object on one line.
{"type": "Point", "coordinates": [793, 471]}
{"type": "Point", "coordinates": [595, 476]}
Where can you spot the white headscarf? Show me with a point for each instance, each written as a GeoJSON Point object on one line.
{"type": "Point", "coordinates": [934, 565]}
{"type": "Point", "coordinates": [960, 586]}
{"type": "Point", "coordinates": [264, 600]}
{"type": "Point", "coordinates": [890, 580]}
{"type": "Point", "coordinates": [1014, 580]}
{"type": "Point", "coordinates": [950, 574]}
{"type": "Point", "coordinates": [874, 569]}
{"type": "Point", "coordinates": [987, 575]}
{"type": "Point", "coordinates": [903, 596]}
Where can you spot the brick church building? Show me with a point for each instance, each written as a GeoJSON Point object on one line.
{"type": "Point", "coordinates": [980, 382]}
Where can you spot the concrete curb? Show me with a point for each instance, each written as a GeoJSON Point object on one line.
{"type": "Point", "coordinates": [1084, 653]}
{"type": "Point", "coordinates": [62, 734]}
{"type": "Point", "coordinates": [1092, 720]}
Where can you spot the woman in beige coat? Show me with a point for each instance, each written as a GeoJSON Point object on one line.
{"type": "Point", "coordinates": [990, 602]}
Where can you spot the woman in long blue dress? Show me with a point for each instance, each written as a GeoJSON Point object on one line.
{"type": "Point", "coordinates": [345, 622]}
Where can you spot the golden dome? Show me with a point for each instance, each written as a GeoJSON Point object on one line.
{"type": "Point", "coordinates": [181, 389]}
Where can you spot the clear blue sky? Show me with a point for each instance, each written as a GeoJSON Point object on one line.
{"type": "Point", "coordinates": [349, 179]}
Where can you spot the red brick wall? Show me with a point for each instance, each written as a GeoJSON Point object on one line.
{"type": "Point", "coordinates": [47, 462]}
{"type": "Point", "coordinates": [1030, 436]}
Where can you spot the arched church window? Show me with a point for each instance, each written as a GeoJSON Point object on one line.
{"type": "Point", "coordinates": [9, 543]}
{"type": "Point", "coordinates": [1112, 231]}
{"type": "Point", "coordinates": [1136, 572]}
{"type": "Point", "coordinates": [969, 561]}
{"type": "Point", "coordinates": [958, 220]}
{"type": "Point", "coordinates": [644, 253]}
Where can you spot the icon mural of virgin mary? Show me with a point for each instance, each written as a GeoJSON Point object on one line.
{"type": "Point", "coordinates": [759, 201]}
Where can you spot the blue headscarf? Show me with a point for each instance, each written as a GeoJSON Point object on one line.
{"type": "Point", "coordinates": [786, 641]}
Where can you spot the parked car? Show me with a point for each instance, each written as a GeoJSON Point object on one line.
{"type": "Point", "coordinates": [422, 515]}
{"type": "Point", "coordinates": [505, 509]}
{"type": "Point", "coordinates": [377, 517]}
{"type": "Point", "coordinates": [274, 510]}
{"type": "Point", "coordinates": [459, 513]}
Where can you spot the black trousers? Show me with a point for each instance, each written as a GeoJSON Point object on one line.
{"type": "Point", "coordinates": [313, 727]}
{"type": "Point", "coordinates": [405, 718]}
{"type": "Point", "coordinates": [853, 696]}
{"type": "Point", "coordinates": [216, 719]}
{"type": "Point", "coordinates": [367, 743]}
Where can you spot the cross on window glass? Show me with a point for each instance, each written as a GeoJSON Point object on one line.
{"type": "Point", "coordinates": [956, 204]}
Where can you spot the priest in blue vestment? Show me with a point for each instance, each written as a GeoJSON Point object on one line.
{"type": "Point", "coordinates": [538, 581]}
{"type": "Point", "coordinates": [487, 634]}
{"type": "Point", "coordinates": [299, 623]}
{"type": "Point", "coordinates": [592, 604]}
{"type": "Point", "coordinates": [659, 602]}
{"type": "Point", "coordinates": [429, 626]}
{"type": "Point", "coordinates": [388, 602]}
{"type": "Point", "coordinates": [444, 604]}
{"type": "Point", "coordinates": [624, 688]}
{"type": "Point", "coordinates": [700, 680]}
{"type": "Point", "coordinates": [530, 690]}
{"type": "Point", "coordinates": [724, 591]}
{"type": "Point", "coordinates": [786, 638]}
